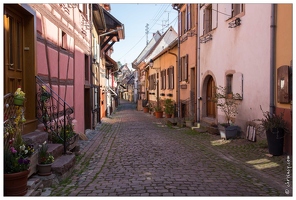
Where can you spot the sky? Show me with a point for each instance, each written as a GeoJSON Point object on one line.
{"type": "Point", "coordinates": [135, 17]}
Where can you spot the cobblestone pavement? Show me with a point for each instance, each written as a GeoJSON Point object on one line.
{"type": "Point", "coordinates": [134, 154]}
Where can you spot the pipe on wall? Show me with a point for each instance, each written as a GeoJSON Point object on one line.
{"type": "Point", "coordinates": [178, 66]}
{"type": "Point", "coordinates": [198, 65]}
{"type": "Point", "coordinates": [272, 58]}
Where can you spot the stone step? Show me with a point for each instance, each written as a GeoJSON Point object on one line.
{"type": "Point", "coordinates": [210, 127]}
{"type": "Point", "coordinates": [56, 150]}
{"type": "Point", "coordinates": [63, 165]}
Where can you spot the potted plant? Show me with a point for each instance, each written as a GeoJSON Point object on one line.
{"type": "Point", "coordinates": [146, 107]}
{"type": "Point", "coordinates": [158, 111]}
{"type": "Point", "coordinates": [16, 155]}
{"type": "Point", "coordinates": [19, 97]}
{"type": "Point", "coordinates": [275, 128]}
{"type": "Point", "coordinates": [169, 107]}
{"type": "Point", "coordinates": [228, 105]}
{"type": "Point", "coordinates": [45, 160]}
{"type": "Point", "coordinates": [68, 133]}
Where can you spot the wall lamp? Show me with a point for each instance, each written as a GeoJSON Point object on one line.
{"type": "Point", "coordinates": [235, 23]}
{"type": "Point", "coordinates": [151, 64]}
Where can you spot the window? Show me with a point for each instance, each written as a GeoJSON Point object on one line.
{"type": "Point", "coordinates": [184, 68]}
{"type": "Point", "coordinates": [163, 79]}
{"type": "Point", "coordinates": [207, 23]}
{"type": "Point", "coordinates": [152, 82]}
{"type": "Point", "coordinates": [229, 79]}
{"type": "Point", "coordinates": [170, 73]}
{"type": "Point", "coordinates": [64, 40]}
{"type": "Point", "coordinates": [187, 18]}
{"type": "Point", "coordinates": [236, 9]}
{"type": "Point", "coordinates": [83, 9]}
{"type": "Point", "coordinates": [86, 65]}
{"type": "Point", "coordinates": [183, 22]}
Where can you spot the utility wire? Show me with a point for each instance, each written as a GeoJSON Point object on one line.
{"type": "Point", "coordinates": [160, 10]}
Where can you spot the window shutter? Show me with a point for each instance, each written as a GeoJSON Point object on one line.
{"type": "Point", "coordinates": [186, 67]}
{"type": "Point", "coordinates": [237, 86]}
{"type": "Point", "coordinates": [172, 77]}
{"type": "Point", "coordinates": [214, 15]}
{"type": "Point", "coordinates": [188, 17]}
{"type": "Point", "coordinates": [227, 10]}
{"type": "Point", "coordinates": [201, 24]}
{"type": "Point", "coordinates": [283, 84]}
{"type": "Point", "coordinates": [164, 76]}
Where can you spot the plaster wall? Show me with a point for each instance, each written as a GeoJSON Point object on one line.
{"type": "Point", "coordinates": [244, 49]}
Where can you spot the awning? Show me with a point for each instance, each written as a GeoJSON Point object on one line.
{"type": "Point", "coordinates": [110, 63]}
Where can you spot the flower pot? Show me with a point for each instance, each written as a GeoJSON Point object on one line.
{"type": "Point", "coordinates": [158, 114]}
{"type": "Point", "coordinates": [15, 184]}
{"type": "Point", "coordinates": [145, 109]}
{"type": "Point", "coordinates": [18, 101]}
{"type": "Point", "coordinates": [275, 140]}
{"type": "Point", "coordinates": [168, 115]}
{"type": "Point", "coordinates": [229, 132]}
{"type": "Point", "coordinates": [44, 169]}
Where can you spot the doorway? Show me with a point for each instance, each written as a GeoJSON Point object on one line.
{"type": "Point", "coordinates": [13, 51]}
{"type": "Point", "coordinates": [210, 105]}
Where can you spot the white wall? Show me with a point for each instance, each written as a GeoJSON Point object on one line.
{"type": "Point", "coordinates": [244, 49]}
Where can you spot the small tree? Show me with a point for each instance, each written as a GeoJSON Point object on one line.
{"type": "Point", "coordinates": [227, 104]}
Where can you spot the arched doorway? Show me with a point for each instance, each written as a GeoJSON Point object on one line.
{"type": "Point", "coordinates": [210, 93]}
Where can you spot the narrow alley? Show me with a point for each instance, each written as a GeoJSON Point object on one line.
{"type": "Point", "coordinates": [134, 154]}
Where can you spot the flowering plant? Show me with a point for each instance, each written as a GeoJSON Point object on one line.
{"type": "Point", "coordinates": [44, 156]}
{"type": "Point", "coordinates": [16, 153]}
{"type": "Point", "coordinates": [19, 93]}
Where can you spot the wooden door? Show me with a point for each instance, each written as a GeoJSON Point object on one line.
{"type": "Point", "coordinates": [13, 51]}
{"type": "Point", "coordinates": [211, 112]}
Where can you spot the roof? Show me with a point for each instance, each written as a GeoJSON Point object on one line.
{"type": "Point", "coordinates": [98, 18]}
{"type": "Point", "coordinates": [110, 62]}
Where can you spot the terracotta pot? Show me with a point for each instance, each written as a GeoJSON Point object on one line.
{"type": "Point", "coordinates": [15, 184]}
{"type": "Point", "coordinates": [158, 114]}
{"type": "Point", "coordinates": [145, 109]}
{"type": "Point", "coordinates": [44, 169]}
{"type": "Point", "coordinates": [168, 115]}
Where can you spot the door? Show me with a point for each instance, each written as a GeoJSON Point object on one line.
{"type": "Point", "coordinates": [87, 109]}
{"type": "Point", "coordinates": [211, 112]}
{"type": "Point", "coordinates": [192, 94]}
{"type": "Point", "coordinates": [13, 51]}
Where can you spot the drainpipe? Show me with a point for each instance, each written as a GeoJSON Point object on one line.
{"type": "Point", "coordinates": [178, 66]}
{"type": "Point", "coordinates": [198, 65]}
{"type": "Point", "coordinates": [272, 58]}
{"type": "Point", "coordinates": [91, 68]}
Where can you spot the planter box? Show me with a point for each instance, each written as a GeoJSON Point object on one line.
{"type": "Point", "coordinates": [275, 140]}
{"type": "Point", "coordinates": [230, 132]}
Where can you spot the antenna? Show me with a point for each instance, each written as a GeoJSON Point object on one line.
{"type": "Point", "coordinates": [147, 32]}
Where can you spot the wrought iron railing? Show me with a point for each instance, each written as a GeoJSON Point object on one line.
{"type": "Point", "coordinates": [54, 113]}
{"type": "Point", "coordinates": [187, 107]}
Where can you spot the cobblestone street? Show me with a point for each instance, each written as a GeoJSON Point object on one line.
{"type": "Point", "coordinates": [134, 154]}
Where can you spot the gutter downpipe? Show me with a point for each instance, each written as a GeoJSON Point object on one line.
{"type": "Point", "coordinates": [272, 58]}
{"type": "Point", "coordinates": [198, 65]}
{"type": "Point", "coordinates": [91, 68]}
{"type": "Point", "coordinates": [178, 71]}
